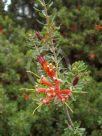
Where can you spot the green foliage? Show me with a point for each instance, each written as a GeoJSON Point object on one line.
{"type": "Point", "coordinates": [78, 40]}
{"type": "Point", "coordinates": [14, 119]}
{"type": "Point", "coordinates": [77, 131]}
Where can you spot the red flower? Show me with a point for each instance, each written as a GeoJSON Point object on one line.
{"type": "Point", "coordinates": [51, 93]}
{"type": "Point", "coordinates": [38, 36]}
{"type": "Point", "coordinates": [67, 91]}
{"type": "Point", "coordinates": [44, 81]}
{"type": "Point", "coordinates": [48, 68]}
{"type": "Point", "coordinates": [98, 27]}
{"type": "Point", "coordinates": [53, 90]}
{"type": "Point", "coordinates": [26, 97]}
{"type": "Point", "coordinates": [75, 81]}
{"type": "Point", "coordinates": [1, 29]}
{"type": "Point", "coordinates": [92, 56]}
{"type": "Point", "coordinates": [41, 90]}
{"type": "Point", "coordinates": [46, 100]}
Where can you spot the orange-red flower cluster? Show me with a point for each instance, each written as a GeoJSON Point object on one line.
{"type": "Point", "coordinates": [53, 89]}
{"type": "Point", "coordinates": [98, 27]}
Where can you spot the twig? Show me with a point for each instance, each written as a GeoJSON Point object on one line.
{"type": "Point", "coordinates": [69, 118]}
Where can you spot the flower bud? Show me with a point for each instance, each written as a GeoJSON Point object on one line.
{"type": "Point", "coordinates": [75, 81]}
{"type": "Point", "coordinates": [38, 36]}
{"type": "Point", "coordinates": [41, 59]}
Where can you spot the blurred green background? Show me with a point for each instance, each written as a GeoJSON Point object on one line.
{"type": "Point", "coordinates": [80, 41]}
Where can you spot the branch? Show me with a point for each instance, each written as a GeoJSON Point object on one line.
{"type": "Point", "coordinates": [70, 123]}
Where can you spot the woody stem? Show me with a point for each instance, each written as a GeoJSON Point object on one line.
{"type": "Point", "coordinates": [69, 118]}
